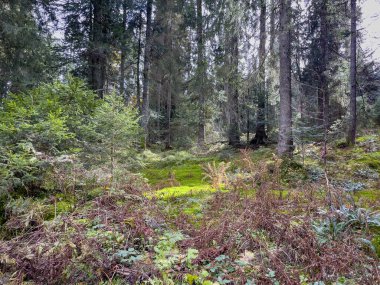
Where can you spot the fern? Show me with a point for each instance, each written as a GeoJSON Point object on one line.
{"type": "Point", "coordinates": [217, 174]}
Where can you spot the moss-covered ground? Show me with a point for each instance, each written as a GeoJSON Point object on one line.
{"type": "Point", "coordinates": [355, 169]}
{"type": "Point", "coordinates": [183, 188]}
{"type": "Point", "coordinates": [180, 189]}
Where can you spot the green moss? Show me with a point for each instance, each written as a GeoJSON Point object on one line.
{"type": "Point", "coordinates": [371, 160]}
{"type": "Point", "coordinates": [96, 192]}
{"type": "Point", "coordinates": [190, 206]}
{"type": "Point", "coordinates": [370, 194]}
{"type": "Point", "coordinates": [263, 153]}
{"type": "Point", "coordinates": [83, 221]}
{"type": "Point", "coordinates": [309, 161]}
{"type": "Point", "coordinates": [194, 209]}
{"type": "Point", "coordinates": [60, 207]}
{"type": "Point", "coordinates": [188, 190]}
{"type": "Point", "coordinates": [189, 174]}
{"type": "Point", "coordinates": [292, 171]}
{"type": "Point", "coordinates": [365, 138]}
{"type": "Point", "coordinates": [120, 203]}
{"type": "Point", "coordinates": [181, 191]}
{"type": "Point", "coordinates": [280, 193]}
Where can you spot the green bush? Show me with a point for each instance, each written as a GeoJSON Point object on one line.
{"type": "Point", "coordinates": [51, 135]}
{"type": "Point", "coordinates": [112, 133]}
{"type": "Point", "coordinates": [18, 168]}
{"type": "Point", "coordinates": [49, 117]}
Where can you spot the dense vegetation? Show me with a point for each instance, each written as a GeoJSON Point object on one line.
{"type": "Point", "coordinates": [169, 142]}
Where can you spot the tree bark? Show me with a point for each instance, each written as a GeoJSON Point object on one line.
{"type": "Point", "coordinates": [285, 141]}
{"type": "Point", "coordinates": [272, 22]}
{"type": "Point", "coordinates": [97, 51]}
{"type": "Point", "coordinates": [232, 91]}
{"type": "Point", "coordinates": [201, 72]}
{"type": "Point", "coordinates": [323, 100]}
{"type": "Point", "coordinates": [261, 136]}
{"type": "Point", "coordinates": [138, 89]}
{"type": "Point", "coordinates": [168, 139]}
{"type": "Point", "coordinates": [168, 43]}
{"type": "Point", "coordinates": [148, 44]}
{"type": "Point", "coordinates": [270, 110]}
{"type": "Point", "coordinates": [352, 108]}
{"type": "Point", "coordinates": [123, 52]}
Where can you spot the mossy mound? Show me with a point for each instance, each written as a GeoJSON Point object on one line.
{"type": "Point", "coordinates": [182, 191]}
{"type": "Point", "coordinates": [188, 174]}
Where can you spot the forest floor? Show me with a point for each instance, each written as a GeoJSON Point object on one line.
{"type": "Point", "coordinates": [184, 188]}
{"type": "Point", "coordinates": [225, 217]}
{"type": "Point", "coordinates": [185, 195]}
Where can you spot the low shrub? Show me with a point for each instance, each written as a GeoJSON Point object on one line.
{"type": "Point", "coordinates": [53, 135]}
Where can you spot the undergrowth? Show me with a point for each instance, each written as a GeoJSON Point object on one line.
{"type": "Point", "coordinates": [253, 219]}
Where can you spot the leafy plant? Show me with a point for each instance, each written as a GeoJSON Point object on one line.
{"type": "Point", "coordinates": [344, 219]}
{"type": "Point", "coordinates": [328, 229]}
{"type": "Point", "coordinates": [359, 217]}
{"type": "Point", "coordinates": [220, 268]}
{"type": "Point", "coordinates": [166, 251]}
{"type": "Point", "coordinates": [128, 256]}
{"type": "Point", "coordinates": [272, 276]}
{"type": "Point", "coordinates": [199, 279]}
{"type": "Point", "coordinates": [376, 243]}
{"type": "Point", "coordinates": [191, 254]}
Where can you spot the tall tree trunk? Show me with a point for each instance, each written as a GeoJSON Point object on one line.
{"type": "Point", "coordinates": [148, 44]}
{"type": "Point", "coordinates": [168, 140]}
{"type": "Point", "coordinates": [201, 74]}
{"type": "Point", "coordinates": [285, 141]}
{"type": "Point", "coordinates": [352, 108]}
{"type": "Point", "coordinates": [270, 111]}
{"type": "Point", "coordinates": [158, 107]}
{"type": "Point", "coordinates": [123, 52]}
{"type": "Point", "coordinates": [168, 42]}
{"type": "Point", "coordinates": [322, 79]}
{"type": "Point", "coordinates": [138, 89]}
{"type": "Point", "coordinates": [97, 50]}
{"type": "Point", "coordinates": [261, 135]}
{"type": "Point", "coordinates": [272, 23]}
{"type": "Point", "coordinates": [232, 90]}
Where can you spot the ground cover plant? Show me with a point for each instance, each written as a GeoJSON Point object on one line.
{"type": "Point", "coordinates": [203, 220]}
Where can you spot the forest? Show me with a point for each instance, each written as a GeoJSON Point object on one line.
{"type": "Point", "coordinates": [198, 142]}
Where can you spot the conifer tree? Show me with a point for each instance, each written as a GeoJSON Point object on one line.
{"type": "Point", "coordinates": [353, 69]}
{"type": "Point", "coordinates": [27, 54]}
{"type": "Point", "coordinates": [285, 140]}
{"type": "Point", "coordinates": [261, 135]}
